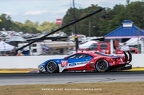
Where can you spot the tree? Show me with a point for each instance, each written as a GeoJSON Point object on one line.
{"type": "Point", "coordinates": [6, 22]}
{"type": "Point", "coordinates": [127, 2]}
{"type": "Point", "coordinates": [132, 11]}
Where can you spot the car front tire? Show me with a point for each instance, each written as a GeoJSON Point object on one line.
{"type": "Point", "coordinates": [52, 67]}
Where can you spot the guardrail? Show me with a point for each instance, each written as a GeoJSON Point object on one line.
{"type": "Point", "coordinates": [11, 62]}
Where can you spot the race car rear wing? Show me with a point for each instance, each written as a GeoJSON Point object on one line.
{"type": "Point", "coordinates": [128, 57]}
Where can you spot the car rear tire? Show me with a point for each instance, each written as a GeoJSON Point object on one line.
{"type": "Point", "coordinates": [52, 67]}
{"type": "Point", "coordinates": [102, 65]}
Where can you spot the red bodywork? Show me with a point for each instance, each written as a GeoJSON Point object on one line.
{"type": "Point", "coordinates": [113, 61]}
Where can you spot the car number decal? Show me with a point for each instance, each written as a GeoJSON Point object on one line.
{"type": "Point", "coordinates": [64, 63]}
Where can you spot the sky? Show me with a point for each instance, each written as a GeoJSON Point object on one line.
{"type": "Point", "coordinates": [47, 10]}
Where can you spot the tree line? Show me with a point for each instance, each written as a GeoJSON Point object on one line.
{"type": "Point", "coordinates": [92, 26]}
{"type": "Point", "coordinates": [7, 24]}
{"type": "Point", "coordinates": [96, 26]}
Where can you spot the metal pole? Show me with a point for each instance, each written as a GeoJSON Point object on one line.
{"type": "Point", "coordinates": [89, 28]}
{"type": "Point", "coordinates": [76, 36]}
{"type": "Point", "coordinates": [138, 40]}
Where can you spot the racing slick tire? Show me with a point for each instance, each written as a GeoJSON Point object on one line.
{"type": "Point", "coordinates": [52, 67]}
{"type": "Point", "coordinates": [102, 65]}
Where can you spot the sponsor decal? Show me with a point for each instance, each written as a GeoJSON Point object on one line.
{"type": "Point", "coordinates": [79, 63]}
{"type": "Point", "coordinates": [72, 64]}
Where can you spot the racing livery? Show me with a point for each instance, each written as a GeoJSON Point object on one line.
{"type": "Point", "coordinates": [85, 61]}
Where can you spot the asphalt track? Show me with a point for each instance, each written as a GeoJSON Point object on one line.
{"type": "Point", "coordinates": [67, 78]}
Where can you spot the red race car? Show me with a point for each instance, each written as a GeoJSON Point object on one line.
{"type": "Point", "coordinates": [85, 61]}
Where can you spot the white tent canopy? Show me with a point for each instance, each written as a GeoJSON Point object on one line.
{"type": "Point", "coordinates": [5, 47]}
{"type": "Point", "coordinates": [87, 44]}
{"type": "Point", "coordinates": [134, 41]}
{"type": "Point", "coordinates": [17, 38]}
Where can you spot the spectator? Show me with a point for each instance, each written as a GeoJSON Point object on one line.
{"type": "Point", "coordinates": [19, 53]}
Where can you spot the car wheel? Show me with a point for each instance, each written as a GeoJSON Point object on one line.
{"type": "Point", "coordinates": [102, 65]}
{"type": "Point", "coordinates": [52, 67]}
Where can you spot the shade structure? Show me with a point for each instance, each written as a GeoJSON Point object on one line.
{"type": "Point", "coordinates": [86, 45]}
{"type": "Point", "coordinates": [17, 39]}
{"type": "Point", "coordinates": [126, 30]}
{"type": "Point", "coordinates": [5, 47]}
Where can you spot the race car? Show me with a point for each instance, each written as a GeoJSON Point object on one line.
{"type": "Point", "coordinates": [85, 61]}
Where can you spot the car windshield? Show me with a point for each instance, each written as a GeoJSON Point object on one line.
{"type": "Point", "coordinates": [103, 46]}
{"type": "Point", "coordinates": [78, 56]}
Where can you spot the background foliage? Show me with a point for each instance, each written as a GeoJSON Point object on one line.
{"type": "Point", "coordinates": [92, 26]}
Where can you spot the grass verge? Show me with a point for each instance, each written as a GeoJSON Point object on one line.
{"type": "Point", "coordinates": [123, 88]}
